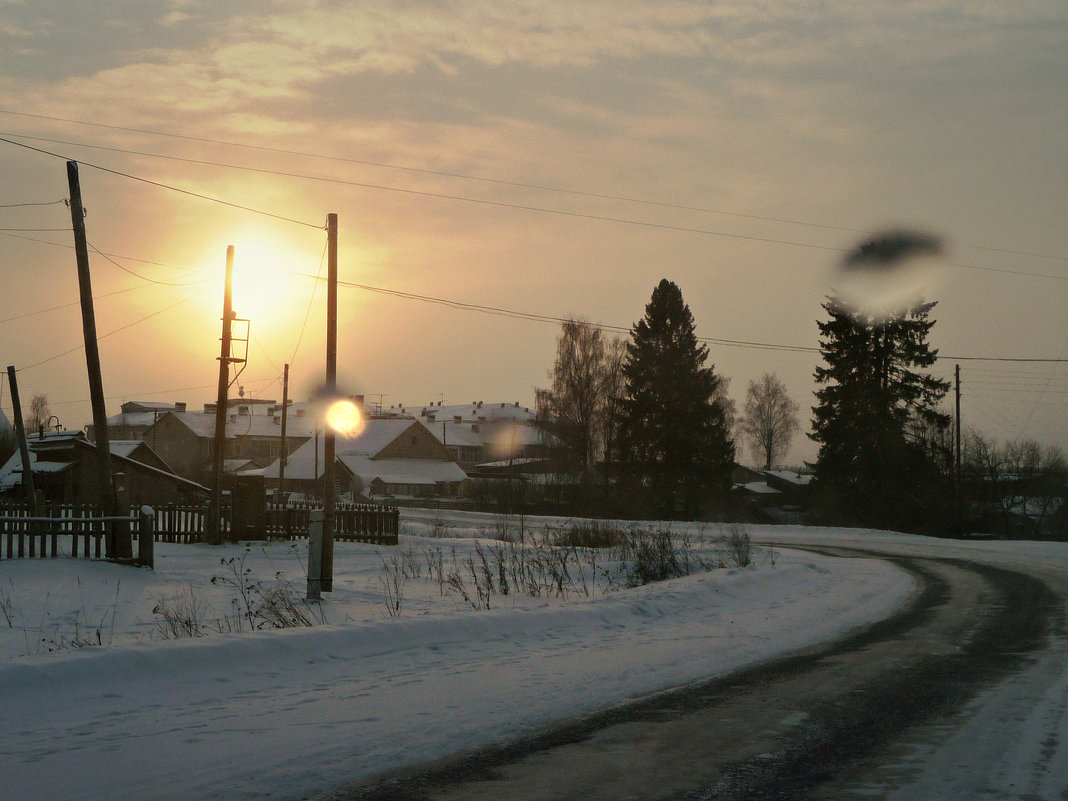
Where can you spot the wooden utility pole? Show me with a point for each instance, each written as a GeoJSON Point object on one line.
{"type": "Point", "coordinates": [957, 454]}
{"type": "Point", "coordinates": [331, 397]}
{"type": "Point", "coordinates": [119, 542]}
{"type": "Point", "coordinates": [219, 443]}
{"type": "Point", "coordinates": [282, 451]}
{"type": "Point", "coordinates": [24, 448]}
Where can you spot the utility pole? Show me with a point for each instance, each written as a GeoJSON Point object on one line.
{"type": "Point", "coordinates": [282, 458]}
{"type": "Point", "coordinates": [219, 443]}
{"type": "Point", "coordinates": [331, 395]}
{"type": "Point", "coordinates": [956, 450]}
{"type": "Point", "coordinates": [119, 542]}
{"type": "Point", "coordinates": [24, 448]}
{"type": "Point", "coordinates": [956, 374]}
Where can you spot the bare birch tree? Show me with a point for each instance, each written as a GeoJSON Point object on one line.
{"type": "Point", "coordinates": [770, 419]}
{"type": "Point", "coordinates": [39, 413]}
{"type": "Point", "coordinates": [576, 407]}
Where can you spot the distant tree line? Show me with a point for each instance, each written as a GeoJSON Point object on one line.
{"type": "Point", "coordinates": [643, 427]}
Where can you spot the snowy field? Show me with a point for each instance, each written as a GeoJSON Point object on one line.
{"type": "Point", "coordinates": [99, 700]}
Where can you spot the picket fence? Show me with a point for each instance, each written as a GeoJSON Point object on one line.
{"type": "Point", "coordinates": [79, 530]}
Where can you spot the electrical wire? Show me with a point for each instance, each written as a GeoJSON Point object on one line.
{"type": "Point", "coordinates": [466, 177]}
{"type": "Point", "coordinates": [68, 305]}
{"type": "Point", "coordinates": [114, 331]}
{"type": "Point", "coordinates": [170, 187]}
{"type": "Point", "coordinates": [144, 277]}
{"type": "Point", "coordinates": [543, 318]}
{"type": "Point", "coordinates": [307, 312]}
{"type": "Point", "coordinates": [503, 204]}
{"type": "Point", "coordinates": [24, 205]}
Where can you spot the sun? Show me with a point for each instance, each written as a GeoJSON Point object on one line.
{"type": "Point", "coordinates": [344, 417]}
{"type": "Point", "coordinates": [264, 284]}
{"type": "Point", "coordinates": [272, 280]}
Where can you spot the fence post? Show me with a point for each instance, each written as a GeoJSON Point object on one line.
{"type": "Point", "coordinates": [146, 540]}
{"type": "Point", "coordinates": [315, 554]}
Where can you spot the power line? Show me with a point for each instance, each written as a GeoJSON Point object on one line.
{"type": "Point", "coordinates": [311, 299]}
{"type": "Point", "coordinates": [466, 177]}
{"type": "Point", "coordinates": [144, 277]}
{"type": "Point", "coordinates": [114, 331]}
{"type": "Point", "coordinates": [526, 207]}
{"type": "Point", "coordinates": [68, 305]}
{"type": "Point", "coordinates": [24, 205]}
{"type": "Point", "coordinates": [108, 256]}
{"type": "Point", "coordinates": [161, 185]}
{"type": "Point", "coordinates": [543, 318]}
{"type": "Point", "coordinates": [416, 192]}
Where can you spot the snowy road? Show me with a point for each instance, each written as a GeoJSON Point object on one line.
{"type": "Point", "coordinates": [963, 695]}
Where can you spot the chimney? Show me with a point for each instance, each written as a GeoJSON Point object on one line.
{"type": "Point", "coordinates": [179, 406]}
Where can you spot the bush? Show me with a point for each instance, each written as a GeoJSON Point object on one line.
{"type": "Point", "coordinates": [590, 534]}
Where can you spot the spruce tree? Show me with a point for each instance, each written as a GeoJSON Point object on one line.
{"type": "Point", "coordinates": [673, 438]}
{"type": "Point", "coordinates": [873, 395]}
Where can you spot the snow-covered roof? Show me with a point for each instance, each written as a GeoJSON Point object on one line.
{"type": "Point", "coordinates": [402, 471]}
{"type": "Point", "coordinates": [455, 434]}
{"type": "Point", "coordinates": [148, 406]}
{"type": "Point", "coordinates": [503, 432]}
{"type": "Point", "coordinates": [124, 447]}
{"type": "Point", "coordinates": [253, 425]}
{"type": "Point", "coordinates": [377, 434]}
{"type": "Point", "coordinates": [759, 488]}
{"type": "Point", "coordinates": [1033, 507]}
{"type": "Point", "coordinates": [238, 465]}
{"type": "Point", "coordinates": [11, 472]}
{"type": "Point", "coordinates": [144, 419]}
{"type": "Point", "coordinates": [476, 412]}
{"type": "Point", "coordinates": [791, 476]}
{"type": "Point", "coordinates": [517, 462]}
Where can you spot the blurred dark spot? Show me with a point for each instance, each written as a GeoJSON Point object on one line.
{"type": "Point", "coordinates": [891, 248]}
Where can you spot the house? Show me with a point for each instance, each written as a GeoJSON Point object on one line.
{"type": "Point", "coordinates": [391, 457]}
{"type": "Point", "coordinates": [64, 465]}
{"type": "Point", "coordinates": [253, 434]}
{"type": "Point", "coordinates": [134, 419]}
{"type": "Point", "coordinates": [480, 432]}
{"type": "Point", "coordinates": [779, 496]}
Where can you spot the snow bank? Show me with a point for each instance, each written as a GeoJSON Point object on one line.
{"type": "Point", "coordinates": [281, 714]}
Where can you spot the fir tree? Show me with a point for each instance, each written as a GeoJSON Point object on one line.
{"type": "Point", "coordinates": [873, 395]}
{"type": "Point", "coordinates": [673, 438]}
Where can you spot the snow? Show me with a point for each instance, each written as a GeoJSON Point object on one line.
{"type": "Point", "coordinates": [286, 713]}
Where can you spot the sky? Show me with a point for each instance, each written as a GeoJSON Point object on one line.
{"type": "Point", "coordinates": [496, 168]}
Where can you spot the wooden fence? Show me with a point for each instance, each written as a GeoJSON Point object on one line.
{"type": "Point", "coordinates": [80, 530]}
{"type": "Point", "coordinates": [69, 530]}
{"type": "Point", "coordinates": [352, 523]}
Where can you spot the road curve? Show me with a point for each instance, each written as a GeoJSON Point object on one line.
{"type": "Point", "coordinates": [884, 712]}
